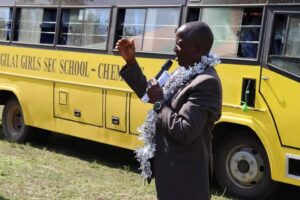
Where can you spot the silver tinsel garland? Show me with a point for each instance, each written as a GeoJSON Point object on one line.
{"type": "Point", "coordinates": [147, 130]}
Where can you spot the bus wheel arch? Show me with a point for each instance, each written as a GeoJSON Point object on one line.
{"type": "Point", "coordinates": [5, 95]}
{"type": "Point", "coordinates": [241, 164]}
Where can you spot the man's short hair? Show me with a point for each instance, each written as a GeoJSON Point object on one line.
{"type": "Point", "coordinates": [200, 33]}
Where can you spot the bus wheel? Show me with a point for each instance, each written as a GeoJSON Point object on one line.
{"type": "Point", "coordinates": [14, 128]}
{"type": "Point", "coordinates": [242, 168]}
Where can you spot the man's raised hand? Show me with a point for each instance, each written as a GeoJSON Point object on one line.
{"type": "Point", "coordinates": [127, 50]}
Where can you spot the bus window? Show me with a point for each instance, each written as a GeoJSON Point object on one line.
{"type": "Point", "coordinates": [193, 14]}
{"type": "Point", "coordinates": [37, 2]}
{"type": "Point", "coordinates": [236, 30]}
{"type": "Point", "coordinates": [87, 28]}
{"type": "Point", "coordinates": [5, 24]}
{"type": "Point", "coordinates": [285, 44]}
{"type": "Point", "coordinates": [249, 33]}
{"type": "Point", "coordinates": [153, 29]}
{"type": "Point", "coordinates": [278, 35]}
{"type": "Point", "coordinates": [35, 26]}
{"type": "Point", "coordinates": [293, 38]}
{"type": "Point", "coordinates": [131, 23]}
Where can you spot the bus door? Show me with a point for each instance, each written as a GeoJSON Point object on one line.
{"type": "Point", "coordinates": [280, 75]}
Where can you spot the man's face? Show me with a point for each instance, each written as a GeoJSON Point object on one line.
{"type": "Point", "coordinates": [184, 50]}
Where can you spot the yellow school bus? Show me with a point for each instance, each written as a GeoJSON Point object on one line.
{"type": "Point", "coordinates": [59, 72]}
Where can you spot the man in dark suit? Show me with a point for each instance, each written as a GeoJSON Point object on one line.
{"type": "Point", "coordinates": [182, 161]}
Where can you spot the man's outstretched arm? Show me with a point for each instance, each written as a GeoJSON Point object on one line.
{"type": "Point", "coordinates": [131, 72]}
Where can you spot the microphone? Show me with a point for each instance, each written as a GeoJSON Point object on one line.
{"type": "Point", "coordinates": [165, 67]}
{"type": "Point", "coordinates": [162, 76]}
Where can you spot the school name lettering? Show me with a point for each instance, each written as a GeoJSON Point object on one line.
{"type": "Point", "coordinates": [109, 71]}
{"type": "Point", "coordinates": [27, 62]}
{"type": "Point", "coordinates": [9, 61]}
{"type": "Point", "coordinates": [72, 67]}
{"type": "Point", "coordinates": [68, 67]}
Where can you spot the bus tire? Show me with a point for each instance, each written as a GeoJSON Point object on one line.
{"type": "Point", "coordinates": [242, 167]}
{"type": "Point", "coordinates": [13, 124]}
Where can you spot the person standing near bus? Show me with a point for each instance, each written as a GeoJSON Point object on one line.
{"type": "Point", "coordinates": [184, 112]}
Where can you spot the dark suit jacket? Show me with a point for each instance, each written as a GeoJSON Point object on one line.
{"type": "Point", "coordinates": [183, 134]}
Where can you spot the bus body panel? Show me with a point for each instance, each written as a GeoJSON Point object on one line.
{"type": "Point", "coordinates": [257, 118]}
{"type": "Point", "coordinates": [61, 91]}
{"type": "Point", "coordinates": [78, 103]}
{"type": "Point", "coordinates": [283, 99]}
{"type": "Point", "coordinates": [262, 124]}
{"type": "Point", "coordinates": [90, 69]}
{"type": "Point", "coordinates": [35, 97]}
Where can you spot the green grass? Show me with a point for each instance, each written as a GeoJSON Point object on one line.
{"type": "Point", "coordinates": [27, 172]}
{"type": "Point", "coordinates": [71, 168]}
